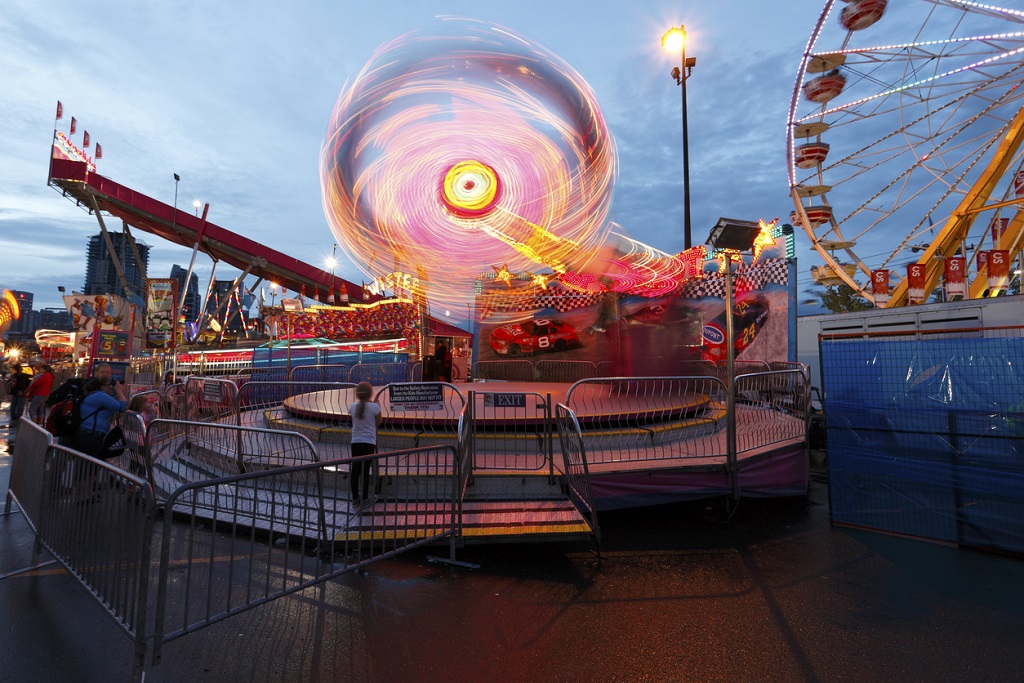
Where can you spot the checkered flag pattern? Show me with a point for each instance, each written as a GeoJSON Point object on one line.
{"type": "Point", "coordinates": [746, 276]}
{"type": "Point", "coordinates": [533, 299]}
{"type": "Point", "coordinates": [765, 272]}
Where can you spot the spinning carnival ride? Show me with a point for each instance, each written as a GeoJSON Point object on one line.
{"type": "Point", "coordinates": [904, 141]}
{"type": "Point", "coordinates": [453, 154]}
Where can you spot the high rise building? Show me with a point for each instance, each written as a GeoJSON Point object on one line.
{"type": "Point", "coordinates": [24, 326]}
{"type": "Point", "coordinates": [100, 273]}
{"type": "Point", "coordinates": [193, 303]}
{"type": "Point", "coordinates": [55, 319]}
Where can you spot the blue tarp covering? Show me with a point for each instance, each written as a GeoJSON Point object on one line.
{"type": "Point", "coordinates": [926, 437]}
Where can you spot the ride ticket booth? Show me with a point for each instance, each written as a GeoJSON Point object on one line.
{"type": "Point", "coordinates": [456, 340]}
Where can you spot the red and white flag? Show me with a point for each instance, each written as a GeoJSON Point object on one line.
{"type": "Point", "coordinates": [956, 282]}
{"type": "Point", "coordinates": [85, 139]}
{"type": "Point", "coordinates": [74, 125]}
{"type": "Point", "coordinates": [99, 151]}
{"type": "Point", "coordinates": [982, 260]}
{"type": "Point", "coordinates": [880, 287]}
{"type": "Point", "coordinates": [60, 110]}
{"type": "Point", "coordinates": [998, 226]}
{"type": "Point", "coordinates": [915, 283]}
{"type": "Point", "coordinates": [998, 268]}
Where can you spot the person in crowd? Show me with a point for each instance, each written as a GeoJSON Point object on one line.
{"type": "Point", "coordinates": [142, 410]}
{"type": "Point", "coordinates": [146, 408]}
{"type": "Point", "coordinates": [76, 385]}
{"type": "Point", "coordinates": [443, 359]}
{"type": "Point", "coordinates": [38, 391]}
{"type": "Point", "coordinates": [17, 384]}
{"type": "Point", "coordinates": [103, 399]}
{"type": "Point", "coordinates": [365, 420]}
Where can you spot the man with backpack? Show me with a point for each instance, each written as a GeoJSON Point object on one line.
{"type": "Point", "coordinates": [16, 385]}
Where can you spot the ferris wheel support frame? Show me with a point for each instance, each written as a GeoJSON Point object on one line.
{"type": "Point", "coordinates": [953, 233]}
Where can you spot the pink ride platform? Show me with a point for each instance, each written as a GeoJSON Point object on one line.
{"type": "Point", "coordinates": [598, 409]}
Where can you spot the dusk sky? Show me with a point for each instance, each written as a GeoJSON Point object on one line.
{"type": "Point", "coordinates": [235, 98]}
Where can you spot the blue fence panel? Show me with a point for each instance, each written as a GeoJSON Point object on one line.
{"type": "Point", "coordinates": [926, 437]}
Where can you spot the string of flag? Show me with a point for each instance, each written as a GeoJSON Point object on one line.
{"type": "Point", "coordinates": [73, 128]}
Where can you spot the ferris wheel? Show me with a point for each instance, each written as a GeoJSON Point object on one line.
{"type": "Point", "coordinates": [904, 141]}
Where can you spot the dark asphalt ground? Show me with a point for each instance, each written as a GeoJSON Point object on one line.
{"type": "Point", "coordinates": [683, 593]}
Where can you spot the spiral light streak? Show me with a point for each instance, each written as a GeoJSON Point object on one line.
{"type": "Point", "coordinates": [451, 153]}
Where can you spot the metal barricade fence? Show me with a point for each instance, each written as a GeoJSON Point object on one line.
{"type": "Point", "coordinates": [319, 373]}
{"type": "Point", "coordinates": [790, 365]}
{"type": "Point", "coordinates": [133, 459]}
{"type": "Point", "coordinates": [650, 418]}
{"type": "Point", "coordinates": [567, 371]}
{"type": "Point", "coordinates": [97, 521]}
{"type": "Point", "coordinates": [577, 473]}
{"type": "Point", "coordinates": [317, 410]}
{"type": "Point", "coordinates": [504, 370]}
{"type": "Point", "coordinates": [28, 470]}
{"type": "Point", "coordinates": [511, 431]}
{"type": "Point", "coordinates": [464, 456]}
{"type": "Point", "coordinates": [238, 542]}
{"type": "Point", "coordinates": [172, 401]}
{"type": "Point", "coordinates": [415, 371]}
{"type": "Point", "coordinates": [379, 374]}
{"type": "Point", "coordinates": [209, 399]}
{"type": "Point", "coordinates": [408, 425]}
{"type": "Point", "coordinates": [771, 408]}
{"type": "Point", "coordinates": [179, 451]}
{"type": "Point", "coordinates": [698, 368]}
{"type": "Point", "coordinates": [605, 368]}
{"type": "Point", "coordinates": [145, 370]}
{"type": "Point", "coordinates": [742, 367]}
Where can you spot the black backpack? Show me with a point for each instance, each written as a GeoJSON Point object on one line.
{"type": "Point", "coordinates": [70, 387]}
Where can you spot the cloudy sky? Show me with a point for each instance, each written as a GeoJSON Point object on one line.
{"type": "Point", "coordinates": [235, 98]}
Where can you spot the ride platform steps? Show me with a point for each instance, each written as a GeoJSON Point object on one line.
{"type": "Point", "coordinates": [483, 521]}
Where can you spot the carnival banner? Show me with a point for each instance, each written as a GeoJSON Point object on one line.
{"type": "Point", "coordinates": [161, 312]}
{"type": "Point", "coordinates": [91, 312]}
{"type": "Point", "coordinates": [915, 283]}
{"type": "Point", "coordinates": [998, 227]}
{"type": "Point", "coordinates": [955, 271]}
{"type": "Point", "coordinates": [998, 269]}
{"type": "Point", "coordinates": [880, 287]}
{"type": "Point", "coordinates": [982, 261]}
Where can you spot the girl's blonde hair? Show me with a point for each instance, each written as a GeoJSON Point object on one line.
{"type": "Point", "coordinates": [363, 391]}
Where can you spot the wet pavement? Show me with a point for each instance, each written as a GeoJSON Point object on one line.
{"type": "Point", "coordinates": [682, 592]}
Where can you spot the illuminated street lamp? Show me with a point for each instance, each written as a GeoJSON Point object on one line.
{"type": "Point", "coordinates": [675, 40]}
{"type": "Point", "coordinates": [195, 205]}
{"type": "Point", "coordinates": [332, 263]}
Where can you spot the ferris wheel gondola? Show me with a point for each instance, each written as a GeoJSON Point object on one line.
{"type": "Point", "coordinates": [905, 128]}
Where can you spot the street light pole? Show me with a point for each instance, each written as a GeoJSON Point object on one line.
{"type": "Point", "coordinates": [674, 39]}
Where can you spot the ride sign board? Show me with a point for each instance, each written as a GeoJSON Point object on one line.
{"type": "Point", "coordinates": [111, 344]}
{"type": "Point", "coordinates": [213, 392]}
{"type": "Point", "coordinates": [414, 397]}
{"type": "Point", "coordinates": [504, 400]}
